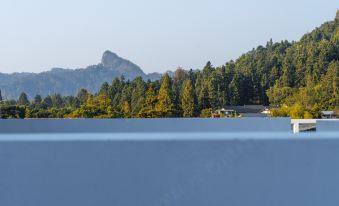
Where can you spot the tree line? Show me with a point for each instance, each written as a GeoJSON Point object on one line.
{"type": "Point", "coordinates": [301, 78]}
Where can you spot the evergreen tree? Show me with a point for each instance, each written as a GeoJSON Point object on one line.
{"type": "Point", "coordinates": [82, 96]}
{"type": "Point", "coordinates": [192, 76]}
{"type": "Point", "coordinates": [274, 75]}
{"type": "Point", "coordinates": [180, 75]}
{"type": "Point", "coordinates": [116, 91]}
{"type": "Point", "coordinates": [187, 99]}
{"type": "Point", "coordinates": [126, 109]}
{"type": "Point", "coordinates": [23, 99]}
{"type": "Point", "coordinates": [37, 99]}
{"type": "Point", "coordinates": [222, 87]}
{"type": "Point", "coordinates": [47, 102]}
{"type": "Point", "coordinates": [148, 108]}
{"type": "Point", "coordinates": [138, 95]}
{"type": "Point", "coordinates": [208, 69]}
{"type": "Point", "coordinates": [104, 89]}
{"type": "Point", "coordinates": [165, 106]}
{"type": "Point", "coordinates": [57, 101]}
{"type": "Point", "coordinates": [126, 93]}
{"type": "Point", "coordinates": [234, 89]}
{"type": "Point", "coordinates": [203, 99]}
{"type": "Point", "coordinates": [329, 87]}
{"type": "Point", "coordinates": [213, 87]}
{"type": "Point", "coordinates": [70, 101]}
{"type": "Point", "coordinates": [176, 94]}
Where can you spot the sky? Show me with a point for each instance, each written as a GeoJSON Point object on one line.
{"type": "Point", "coordinates": [157, 35]}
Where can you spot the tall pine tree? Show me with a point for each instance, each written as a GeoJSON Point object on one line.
{"type": "Point", "coordinates": [187, 99]}
{"type": "Point", "coordinates": [148, 108]}
{"type": "Point", "coordinates": [165, 106]}
{"type": "Point", "coordinates": [138, 95]}
{"type": "Point", "coordinates": [23, 99]}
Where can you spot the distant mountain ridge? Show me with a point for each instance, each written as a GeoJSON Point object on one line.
{"type": "Point", "coordinates": [69, 81]}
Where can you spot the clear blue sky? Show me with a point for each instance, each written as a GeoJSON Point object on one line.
{"type": "Point", "coordinates": [37, 35]}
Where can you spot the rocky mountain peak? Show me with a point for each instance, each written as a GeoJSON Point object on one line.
{"type": "Point", "coordinates": [109, 59]}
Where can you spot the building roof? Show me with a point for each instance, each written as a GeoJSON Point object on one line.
{"type": "Point", "coordinates": [327, 113]}
{"type": "Point", "coordinates": [254, 115]}
{"type": "Point", "coordinates": [247, 108]}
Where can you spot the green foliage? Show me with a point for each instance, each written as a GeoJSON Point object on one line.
{"type": "Point", "coordinates": [296, 111]}
{"type": "Point", "coordinates": [95, 107]}
{"type": "Point", "coordinates": [23, 99]}
{"type": "Point", "coordinates": [47, 102]}
{"type": "Point", "coordinates": [36, 112]}
{"type": "Point", "coordinates": [137, 95]}
{"type": "Point", "coordinates": [187, 99]}
{"type": "Point", "coordinates": [165, 106]}
{"type": "Point", "coordinates": [103, 90]}
{"type": "Point", "coordinates": [234, 88]}
{"type": "Point", "coordinates": [126, 109]}
{"type": "Point", "coordinates": [37, 99]}
{"type": "Point", "coordinates": [12, 112]}
{"type": "Point", "coordinates": [206, 113]}
{"type": "Point", "coordinates": [301, 78]}
{"type": "Point", "coordinates": [82, 96]}
{"type": "Point", "coordinates": [277, 94]}
{"type": "Point", "coordinates": [57, 101]}
{"type": "Point", "coordinates": [148, 108]}
{"type": "Point", "coordinates": [204, 101]}
{"type": "Point", "coordinates": [329, 85]}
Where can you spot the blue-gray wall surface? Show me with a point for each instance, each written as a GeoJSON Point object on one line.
{"type": "Point", "coordinates": [142, 168]}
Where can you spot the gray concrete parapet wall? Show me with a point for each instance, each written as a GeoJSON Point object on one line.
{"type": "Point", "coordinates": [331, 125]}
{"type": "Point", "coordinates": [26, 126]}
{"type": "Point", "coordinates": [200, 164]}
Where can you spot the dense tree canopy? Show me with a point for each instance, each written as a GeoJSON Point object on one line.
{"type": "Point", "coordinates": [301, 78]}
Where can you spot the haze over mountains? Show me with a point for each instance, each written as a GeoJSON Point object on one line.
{"type": "Point", "coordinates": [261, 71]}
{"type": "Point", "coordinates": [68, 81]}
{"type": "Point", "coordinates": [300, 78]}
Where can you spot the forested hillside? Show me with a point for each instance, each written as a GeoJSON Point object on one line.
{"type": "Point", "coordinates": [299, 77]}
